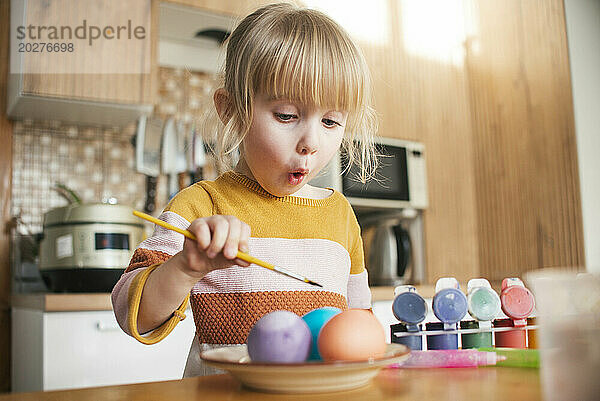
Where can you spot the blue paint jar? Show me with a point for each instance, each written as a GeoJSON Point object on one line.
{"type": "Point", "coordinates": [414, 342]}
{"type": "Point", "coordinates": [410, 309]}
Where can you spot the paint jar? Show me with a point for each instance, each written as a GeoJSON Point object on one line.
{"type": "Point", "coordinates": [410, 309]}
{"type": "Point", "coordinates": [440, 341]}
{"type": "Point", "coordinates": [414, 342]}
{"type": "Point", "coordinates": [449, 306]}
{"type": "Point", "coordinates": [568, 316]}
{"type": "Point", "coordinates": [483, 304]}
{"type": "Point", "coordinates": [531, 333]}
{"type": "Point", "coordinates": [474, 340]}
{"type": "Point", "coordinates": [517, 303]}
{"type": "Point", "coordinates": [516, 338]}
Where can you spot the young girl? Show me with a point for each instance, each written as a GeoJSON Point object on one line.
{"type": "Point", "coordinates": [296, 88]}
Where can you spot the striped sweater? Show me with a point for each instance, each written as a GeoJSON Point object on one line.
{"type": "Point", "coordinates": [316, 238]}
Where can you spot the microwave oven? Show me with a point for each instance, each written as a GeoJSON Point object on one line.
{"type": "Point", "coordinates": [400, 180]}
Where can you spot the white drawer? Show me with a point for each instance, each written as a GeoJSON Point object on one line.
{"type": "Point", "coordinates": [83, 349]}
{"type": "Point", "coordinates": [89, 349]}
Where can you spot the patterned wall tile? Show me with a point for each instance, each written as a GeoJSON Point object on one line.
{"type": "Point", "coordinates": [97, 163]}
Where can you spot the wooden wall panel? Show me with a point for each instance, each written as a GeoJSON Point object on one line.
{"type": "Point", "coordinates": [5, 191]}
{"type": "Point", "coordinates": [524, 138]}
{"type": "Point", "coordinates": [425, 99]}
{"type": "Point", "coordinates": [497, 122]}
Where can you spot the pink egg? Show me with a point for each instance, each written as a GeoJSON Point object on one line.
{"type": "Point", "coordinates": [353, 335]}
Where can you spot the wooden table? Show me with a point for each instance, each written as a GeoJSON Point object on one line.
{"type": "Point", "coordinates": [502, 384]}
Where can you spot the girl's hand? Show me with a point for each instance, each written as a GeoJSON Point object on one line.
{"type": "Point", "coordinates": [218, 239]}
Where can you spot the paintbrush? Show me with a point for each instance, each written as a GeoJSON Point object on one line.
{"type": "Point", "coordinates": [240, 255]}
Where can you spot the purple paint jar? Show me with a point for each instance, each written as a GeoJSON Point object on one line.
{"type": "Point", "coordinates": [450, 306]}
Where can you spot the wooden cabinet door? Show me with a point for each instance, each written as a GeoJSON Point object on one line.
{"type": "Point", "coordinates": [239, 8]}
{"type": "Point", "coordinates": [119, 66]}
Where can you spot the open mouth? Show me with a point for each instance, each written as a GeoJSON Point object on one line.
{"type": "Point", "coordinates": [296, 177]}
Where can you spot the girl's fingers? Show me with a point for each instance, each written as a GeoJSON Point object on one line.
{"type": "Point", "coordinates": [231, 244]}
{"type": "Point", "coordinates": [220, 230]}
{"type": "Point", "coordinates": [201, 230]}
{"type": "Point", "coordinates": [222, 234]}
{"type": "Point", "coordinates": [243, 244]}
{"type": "Point", "coordinates": [241, 262]}
{"type": "Point", "coordinates": [244, 238]}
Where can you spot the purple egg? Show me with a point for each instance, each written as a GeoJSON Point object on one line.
{"type": "Point", "coordinates": [280, 337]}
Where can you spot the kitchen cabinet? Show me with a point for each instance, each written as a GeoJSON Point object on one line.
{"type": "Point", "coordinates": [101, 82]}
{"type": "Point", "coordinates": [239, 8]}
{"type": "Point", "coordinates": [75, 349]}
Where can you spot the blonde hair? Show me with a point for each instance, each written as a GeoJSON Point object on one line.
{"type": "Point", "coordinates": [284, 51]}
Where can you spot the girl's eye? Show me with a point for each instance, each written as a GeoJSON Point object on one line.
{"type": "Point", "coordinates": [284, 116]}
{"type": "Point", "coordinates": [330, 123]}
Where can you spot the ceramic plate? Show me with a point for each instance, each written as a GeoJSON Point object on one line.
{"type": "Point", "coordinates": [307, 377]}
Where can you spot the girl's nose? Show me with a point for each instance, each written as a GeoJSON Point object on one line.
{"type": "Point", "coordinates": [309, 141]}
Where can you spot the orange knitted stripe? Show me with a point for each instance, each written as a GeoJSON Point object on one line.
{"type": "Point", "coordinates": [144, 258]}
{"type": "Point", "coordinates": [226, 318]}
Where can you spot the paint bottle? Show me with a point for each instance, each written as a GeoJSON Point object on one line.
{"type": "Point", "coordinates": [483, 304]}
{"type": "Point", "coordinates": [449, 306]}
{"type": "Point", "coordinates": [517, 303]}
{"type": "Point", "coordinates": [516, 358]}
{"type": "Point", "coordinates": [460, 358]}
{"type": "Point", "coordinates": [531, 333]}
{"type": "Point", "coordinates": [410, 309]}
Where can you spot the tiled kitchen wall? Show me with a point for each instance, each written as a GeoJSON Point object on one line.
{"type": "Point", "coordinates": [97, 163]}
{"type": "Point", "coordinates": [184, 94]}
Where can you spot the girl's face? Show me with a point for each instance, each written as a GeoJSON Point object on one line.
{"type": "Point", "coordinates": [289, 143]}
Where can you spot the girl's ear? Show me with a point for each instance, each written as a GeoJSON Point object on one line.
{"type": "Point", "coordinates": [221, 99]}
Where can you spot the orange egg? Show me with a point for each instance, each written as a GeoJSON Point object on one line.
{"type": "Point", "coordinates": [353, 335]}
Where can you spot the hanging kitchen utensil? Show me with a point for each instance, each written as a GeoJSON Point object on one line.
{"type": "Point", "coordinates": [169, 155]}
{"type": "Point", "coordinates": [189, 153]}
{"type": "Point", "coordinates": [198, 159]}
{"type": "Point", "coordinates": [199, 154]}
{"type": "Point", "coordinates": [172, 154]}
{"type": "Point", "coordinates": [147, 155]}
{"type": "Point", "coordinates": [168, 151]}
{"type": "Point", "coordinates": [182, 163]}
{"type": "Point", "coordinates": [189, 147]}
{"type": "Point", "coordinates": [147, 145]}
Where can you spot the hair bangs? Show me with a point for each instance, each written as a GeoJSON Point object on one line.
{"type": "Point", "coordinates": [313, 66]}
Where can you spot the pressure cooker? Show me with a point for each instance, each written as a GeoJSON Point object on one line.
{"type": "Point", "coordinates": [86, 247]}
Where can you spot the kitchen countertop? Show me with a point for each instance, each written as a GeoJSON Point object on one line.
{"type": "Point", "coordinates": [63, 302]}
{"type": "Point", "coordinates": [391, 384]}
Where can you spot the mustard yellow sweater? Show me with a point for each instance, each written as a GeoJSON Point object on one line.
{"type": "Point", "coordinates": [316, 238]}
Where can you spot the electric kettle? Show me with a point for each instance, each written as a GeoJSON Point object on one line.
{"type": "Point", "coordinates": [388, 253]}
